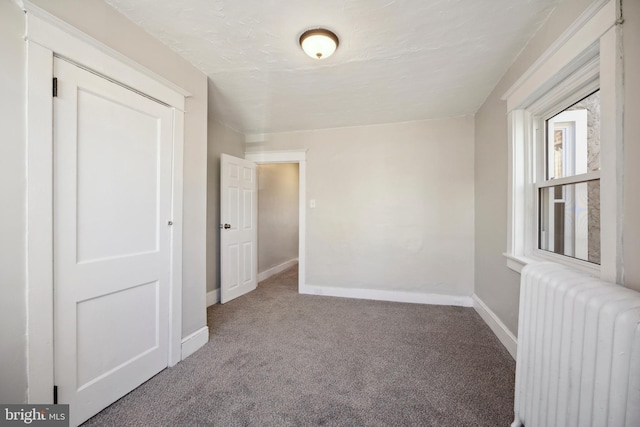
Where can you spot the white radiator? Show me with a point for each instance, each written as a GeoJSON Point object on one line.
{"type": "Point", "coordinates": [578, 361]}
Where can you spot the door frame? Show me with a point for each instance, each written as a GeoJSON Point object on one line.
{"type": "Point", "coordinates": [300, 157]}
{"type": "Point", "coordinates": [48, 36]}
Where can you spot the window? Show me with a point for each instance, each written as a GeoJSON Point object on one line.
{"type": "Point", "coordinates": [565, 155]}
{"type": "Point", "coordinates": [569, 188]}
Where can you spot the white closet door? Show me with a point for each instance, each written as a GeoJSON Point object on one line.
{"type": "Point", "coordinates": [112, 203]}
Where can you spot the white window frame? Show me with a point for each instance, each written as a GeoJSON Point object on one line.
{"type": "Point", "coordinates": [587, 56]}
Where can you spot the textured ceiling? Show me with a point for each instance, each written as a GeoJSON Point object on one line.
{"type": "Point", "coordinates": [397, 60]}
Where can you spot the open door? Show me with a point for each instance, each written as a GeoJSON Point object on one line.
{"type": "Point", "coordinates": [239, 227]}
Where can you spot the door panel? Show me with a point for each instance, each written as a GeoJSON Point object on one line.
{"type": "Point", "coordinates": [238, 242]}
{"type": "Point", "coordinates": [137, 310]}
{"type": "Point", "coordinates": [112, 201]}
{"type": "Point", "coordinates": [248, 209]}
{"type": "Point", "coordinates": [104, 228]}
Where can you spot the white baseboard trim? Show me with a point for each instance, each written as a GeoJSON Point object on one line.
{"type": "Point", "coordinates": [395, 296]}
{"type": "Point", "coordinates": [194, 341]}
{"type": "Point", "coordinates": [502, 332]}
{"type": "Point", "coordinates": [213, 297]}
{"type": "Point", "coordinates": [277, 269]}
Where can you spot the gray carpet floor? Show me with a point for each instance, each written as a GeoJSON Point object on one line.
{"type": "Point", "coordinates": [277, 358]}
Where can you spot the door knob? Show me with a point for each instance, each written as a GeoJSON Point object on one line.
{"type": "Point", "coordinates": [226, 226]}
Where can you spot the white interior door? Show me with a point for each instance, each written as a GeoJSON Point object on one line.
{"type": "Point", "coordinates": [112, 206]}
{"type": "Point", "coordinates": [239, 227]}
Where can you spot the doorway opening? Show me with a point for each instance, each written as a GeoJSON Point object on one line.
{"type": "Point", "coordinates": [278, 222]}
{"type": "Point", "coordinates": [291, 157]}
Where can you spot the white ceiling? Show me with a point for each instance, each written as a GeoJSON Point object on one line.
{"type": "Point", "coordinates": [397, 61]}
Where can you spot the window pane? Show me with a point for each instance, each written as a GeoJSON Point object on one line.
{"type": "Point", "coordinates": [570, 220]}
{"type": "Point", "coordinates": [573, 139]}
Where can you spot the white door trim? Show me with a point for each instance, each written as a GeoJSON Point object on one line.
{"type": "Point", "coordinates": [300, 157]}
{"type": "Point", "coordinates": [67, 41]}
{"type": "Point", "coordinates": [45, 38]}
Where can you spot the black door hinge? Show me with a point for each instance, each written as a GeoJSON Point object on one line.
{"type": "Point", "coordinates": [55, 87]}
{"type": "Point", "coordinates": [55, 394]}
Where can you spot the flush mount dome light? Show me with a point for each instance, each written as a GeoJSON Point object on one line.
{"type": "Point", "coordinates": [319, 43]}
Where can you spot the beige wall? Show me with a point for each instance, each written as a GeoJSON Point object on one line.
{"type": "Point", "coordinates": [13, 187]}
{"type": "Point", "coordinates": [221, 139]}
{"type": "Point", "coordinates": [103, 23]}
{"type": "Point", "coordinates": [277, 214]}
{"type": "Point", "coordinates": [631, 231]}
{"type": "Point", "coordinates": [495, 284]}
{"type": "Point", "coordinates": [394, 205]}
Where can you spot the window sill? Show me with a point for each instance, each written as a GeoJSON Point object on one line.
{"type": "Point", "coordinates": [518, 262]}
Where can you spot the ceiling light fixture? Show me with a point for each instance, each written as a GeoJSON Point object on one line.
{"type": "Point", "coordinates": [319, 43]}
